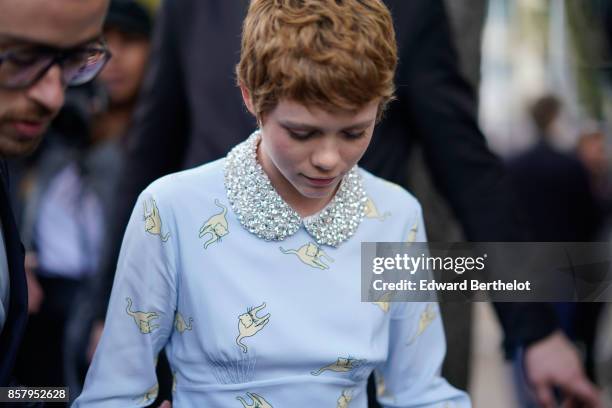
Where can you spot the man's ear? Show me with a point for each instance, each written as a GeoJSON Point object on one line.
{"type": "Point", "coordinates": [246, 97]}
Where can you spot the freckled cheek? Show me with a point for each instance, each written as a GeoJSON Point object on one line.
{"type": "Point", "coordinates": [287, 159]}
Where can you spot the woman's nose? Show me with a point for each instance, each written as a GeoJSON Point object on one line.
{"type": "Point", "coordinates": [326, 155]}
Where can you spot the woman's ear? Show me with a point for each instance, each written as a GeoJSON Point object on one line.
{"type": "Point", "coordinates": [246, 97]}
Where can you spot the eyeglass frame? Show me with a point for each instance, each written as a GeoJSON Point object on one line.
{"type": "Point", "coordinates": [58, 56]}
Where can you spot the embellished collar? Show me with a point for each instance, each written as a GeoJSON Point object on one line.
{"type": "Point", "coordinates": [262, 211]}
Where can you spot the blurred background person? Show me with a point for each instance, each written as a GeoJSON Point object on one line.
{"type": "Point", "coordinates": [553, 187]}
{"type": "Point", "coordinates": [535, 48]}
{"type": "Point", "coordinates": [127, 31]}
{"type": "Point", "coordinates": [593, 152]}
{"type": "Point", "coordinates": [557, 203]}
{"type": "Point", "coordinates": [68, 191]}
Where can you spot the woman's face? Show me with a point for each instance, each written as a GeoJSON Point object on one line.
{"type": "Point", "coordinates": [305, 151]}
{"type": "Point", "coordinates": [124, 73]}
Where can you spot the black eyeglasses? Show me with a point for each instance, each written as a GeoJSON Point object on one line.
{"type": "Point", "coordinates": [23, 66]}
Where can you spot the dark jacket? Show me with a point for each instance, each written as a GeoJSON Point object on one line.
{"type": "Point", "coordinates": [191, 112]}
{"type": "Point", "coordinates": [16, 318]}
{"type": "Point", "coordinates": [554, 195]}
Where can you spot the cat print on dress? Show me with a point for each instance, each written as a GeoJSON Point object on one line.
{"type": "Point", "coordinates": [142, 319]}
{"type": "Point", "coordinates": [152, 219]}
{"type": "Point", "coordinates": [311, 254]}
{"type": "Point", "coordinates": [412, 234]}
{"type": "Point", "coordinates": [217, 226]}
{"type": "Point", "coordinates": [342, 365]}
{"type": "Point", "coordinates": [383, 302]}
{"type": "Point", "coordinates": [180, 324]}
{"type": "Point", "coordinates": [258, 401]}
{"type": "Point", "coordinates": [427, 317]}
{"type": "Point", "coordinates": [345, 399]}
{"type": "Point", "coordinates": [372, 212]}
{"type": "Point", "coordinates": [150, 395]}
{"type": "Point", "coordinates": [250, 324]}
{"type": "Point", "coordinates": [381, 387]}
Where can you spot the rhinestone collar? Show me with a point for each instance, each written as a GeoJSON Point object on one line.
{"type": "Point", "coordinates": [262, 211]}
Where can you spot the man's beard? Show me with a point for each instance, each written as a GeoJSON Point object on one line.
{"type": "Point", "coordinates": [11, 144]}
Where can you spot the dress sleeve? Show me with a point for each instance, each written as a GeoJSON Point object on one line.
{"type": "Point", "coordinates": [411, 376]}
{"type": "Point", "coordinates": [140, 315]}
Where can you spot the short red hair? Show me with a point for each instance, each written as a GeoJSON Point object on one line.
{"type": "Point", "coordinates": [332, 54]}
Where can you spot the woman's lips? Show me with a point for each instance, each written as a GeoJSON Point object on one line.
{"type": "Point", "coordinates": [320, 182]}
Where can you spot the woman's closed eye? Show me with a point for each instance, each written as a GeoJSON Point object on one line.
{"type": "Point", "coordinates": [301, 135]}
{"type": "Point", "coordinates": [354, 135]}
{"type": "Point", "coordinates": [304, 135]}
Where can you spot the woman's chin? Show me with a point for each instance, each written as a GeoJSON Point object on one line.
{"type": "Point", "coordinates": [311, 193]}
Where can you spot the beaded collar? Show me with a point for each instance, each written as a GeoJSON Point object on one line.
{"type": "Point", "coordinates": [262, 211]}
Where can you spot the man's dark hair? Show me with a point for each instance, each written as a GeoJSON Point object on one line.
{"type": "Point", "coordinates": [544, 111]}
{"type": "Point", "coordinates": [129, 16]}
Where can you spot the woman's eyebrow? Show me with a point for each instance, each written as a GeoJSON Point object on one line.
{"type": "Point", "coordinates": [291, 124]}
{"type": "Point", "coordinates": [360, 125]}
{"type": "Point", "coordinates": [304, 126]}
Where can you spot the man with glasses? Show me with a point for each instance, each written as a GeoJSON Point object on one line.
{"type": "Point", "coordinates": [45, 46]}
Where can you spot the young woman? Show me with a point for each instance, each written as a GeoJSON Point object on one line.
{"type": "Point", "coordinates": [246, 271]}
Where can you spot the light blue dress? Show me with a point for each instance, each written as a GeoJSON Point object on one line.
{"type": "Point", "coordinates": [249, 322]}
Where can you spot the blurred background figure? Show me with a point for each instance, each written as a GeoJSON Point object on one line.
{"type": "Point", "coordinates": [557, 146]}
{"type": "Point", "coordinates": [127, 31]}
{"type": "Point", "coordinates": [67, 192]}
{"type": "Point", "coordinates": [592, 151]}
{"type": "Point", "coordinates": [557, 202]}
{"type": "Point", "coordinates": [553, 187]}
